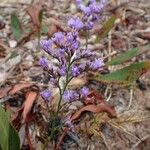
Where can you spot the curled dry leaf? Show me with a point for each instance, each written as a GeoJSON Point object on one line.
{"type": "Point", "coordinates": [30, 99]}
{"type": "Point", "coordinates": [19, 87]}
{"type": "Point", "coordinates": [102, 107]}
{"type": "Point", "coordinates": [94, 98]}
{"type": "Point", "coordinates": [4, 91]}
{"type": "Point", "coordinates": [34, 12]}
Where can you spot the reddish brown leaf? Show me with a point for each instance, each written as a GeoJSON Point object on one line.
{"type": "Point", "coordinates": [102, 107]}
{"type": "Point", "coordinates": [145, 36]}
{"type": "Point", "coordinates": [29, 137]}
{"type": "Point", "coordinates": [34, 12]}
{"type": "Point", "coordinates": [19, 87]}
{"type": "Point", "coordinates": [61, 138]}
{"type": "Point", "coordinates": [93, 98]}
{"type": "Point", "coordinates": [30, 99]}
{"type": "Point", "coordinates": [4, 91]}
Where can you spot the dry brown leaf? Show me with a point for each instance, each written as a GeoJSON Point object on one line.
{"type": "Point", "coordinates": [102, 107]}
{"type": "Point", "coordinates": [30, 99]}
{"type": "Point", "coordinates": [34, 12]}
{"type": "Point", "coordinates": [4, 91]}
{"type": "Point", "coordinates": [19, 87]}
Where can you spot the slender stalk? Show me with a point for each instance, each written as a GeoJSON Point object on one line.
{"type": "Point", "coordinates": [65, 86]}
{"type": "Point", "coordinates": [87, 37]}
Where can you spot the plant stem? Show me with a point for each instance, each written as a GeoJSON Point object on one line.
{"type": "Point", "coordinates": [65, 86]}
{"type": "Point", "coordinates": [87, 37]}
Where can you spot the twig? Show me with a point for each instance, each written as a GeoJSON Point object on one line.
{"type": "Point", "coordinates": [140, 141]}
{"type": "Point", "coordinates": [131, 98]}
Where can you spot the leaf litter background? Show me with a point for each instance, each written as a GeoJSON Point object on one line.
{"type": "Point", "coordinates": [21, 78]}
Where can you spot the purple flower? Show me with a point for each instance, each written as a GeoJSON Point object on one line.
{"type": "Point", "coordinates": [59, 37]}
{"type": "Point", "coordinates": [46, 94]}
{"type": "Point", "coordinates": [70, 96]}
{"type": "Point", "coordinates": [84, 92]}
{"type": "Point", "coordinates": [43, 62]}
{"type": "Point", "coordinates": [46, 45]}
{"type": "Point", "coordinates": [82, 66]}
{"type": "Point", "coordinates": [67, 121]}
{"type": "Point", "coordinates": [89, 25]}
{"type": "Point", "coordinates": [62, 70]}
{"type": "Point", "coordinates": [75, 71]}
{"type": "Point", "coordinates": [78, 2]}
{"type": "Point", "coordinates": [87, 53]}
{"type": "Point", "coordinates": [53, 81]}
{"type": "Point", "coordinates": [70, 38]}
{"type": "Point", "coordinates": [75, 23]}
{"type": "Point", "coordinates": [75, 45]}
{"type": "Point", "coordinates": [96, 64]}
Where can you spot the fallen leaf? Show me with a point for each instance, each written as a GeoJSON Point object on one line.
{"type": "Point", "coordinates": [145, 36]}
{"type": "Point", "coordinates": [30, 99]}
{"type": "Point", "coordinates": [34, 13]}
{"type": "Point", "coordinates": [28, 137]}
{"type": "Point", "coordinates": [94, 98]}
{"type": "Point", "coordinates": [102, 107]}
{"type": "Point", "coordinates": [61, 138]}
{"type": "Point", "coordinates": [4, 91]}
{"type": "Point", "coordinates": [19, 87]}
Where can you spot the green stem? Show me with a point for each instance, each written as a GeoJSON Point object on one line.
{"type": "Point", "coordinates": [65, 86]}
{"type": "Point", "coordinates": [87, 37]}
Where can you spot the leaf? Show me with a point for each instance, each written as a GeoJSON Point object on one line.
{"type": "Point", "coordinates": [127, 56]}
{"type": "Point", "coordinates": [40, 16]}
{"type": "Point", "coordinates": [4, 91]}
{"type": "Point", "coordinates": [125, 75]}
{"type": "Point", "coordinates": [30, 99]}
{"type": "Point", "coordinates": [14, 141]}
{"type": "Point", "coordinates": [13, 90]}
{"type": "Point", "coordinates": [19, 87]}
{"type": "Point", "coordinates": [4, 129]}
{"type": "Point", "coordinates": [102, 107]}
{"type": "Point", "coordinates": [36, 14]}
{"type": "Point", "coordinates": [16, 26]}
{"type": "Point", "coordinates": [108, 25]}
{"type": "Point", "coordinates": [9, 139]}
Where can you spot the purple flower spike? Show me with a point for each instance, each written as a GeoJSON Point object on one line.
{"type": "Point", "coordinates": [46, 94]}
{"type": "Point", "coordinates": [96, 64]}
{"type": "Point", "coordinates": [84, 92]}
{"type": "Point", "coordinates": [43, 62]}
{"type": "Point", "coordinates": [75, 23]}
{"type": "Point", "coordinates": [75, 71]}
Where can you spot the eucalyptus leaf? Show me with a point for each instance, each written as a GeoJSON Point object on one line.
{"type": "Point", "coordinates": [4, 129]}
{"type": "Point", "coordinates": [9, 139]}
{"type": "Point", "coordinates": [16, 26]}
{"type": "Point", "coordinates": [125, 75]}
{"type": "Point", "coordinates": [107, 26]}
{"type": "Point", "coordinates": [127, 56]}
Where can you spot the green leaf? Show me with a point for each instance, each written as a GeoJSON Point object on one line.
{"type": "Point", "coordinates": [4, 129]}
{"type": "Point", "coordinates": [9, 139]}
{"type": "Point", "coordinates": [108, 25]}
{"type": "Point", "coordinates": [44, 30]}
{"type": "Point", "coordinates": [16, 26]}
{"type": "Point", "coordinates": [14, 142]}
{"type": "Point", "coordinates": [126, 75]}
{"type": "Point", "coordinates": [40, 16]}
{"type": "Point", "coordinates": [126, 56]}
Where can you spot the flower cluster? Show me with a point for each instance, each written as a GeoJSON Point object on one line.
{"type": "Point", "coordinates": [92, 11]}
{"type": "Point", "coordinates": [68, 60]}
